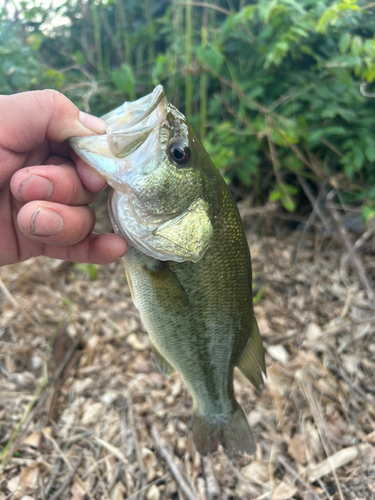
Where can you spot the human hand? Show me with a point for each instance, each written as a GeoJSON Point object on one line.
{"type": "Point", "coordinates": [45, 189]}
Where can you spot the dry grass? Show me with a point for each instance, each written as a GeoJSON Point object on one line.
{"type": "Point", "coordinates": [84, 413]}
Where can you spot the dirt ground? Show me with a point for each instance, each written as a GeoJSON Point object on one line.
{"type": "Point", "coordinates": [85, 414]}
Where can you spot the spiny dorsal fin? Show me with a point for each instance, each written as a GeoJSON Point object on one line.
{"type": "Point", "coordinates": [252, 362]}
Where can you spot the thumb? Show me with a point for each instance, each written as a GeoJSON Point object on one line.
{"type": "Point", "coordinates": [29, 118]}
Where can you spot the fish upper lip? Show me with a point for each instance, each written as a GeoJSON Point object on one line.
{"type": "Point", "coordinates": [156, 97]}
{"type": "Point", "coordinates": [124, 133]}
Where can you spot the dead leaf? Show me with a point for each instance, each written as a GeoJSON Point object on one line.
{"type": "Point", "coordinates": [118, 491]}
{"type": "Point", "coordinates": [13, 484]}
{"type": "Point", "coordinates": [78, 492]}
{"type": "Point", "coordinates": [33, 440]}
{"type": "Point", "coordinates": [110, 465]}
{"type": "Point", "coordinates": [256, 472]}
{"type": "Point", "coordinates": [297, 448]}
{"type": "Point", "coordinates": [29, 477]}
{"type": "Point", "coordinates": [283, 491]}
{"type": "Point", "coordinates": [313, 332]}
{"type": "Point", "coordinates": [153, 493]}
{"type": "Point", "coordinates": [135, 343]}
{"type": "Point", "coordinates": [278, 353]}
{"type": "Point", "coordinates": [91, 413]}
{"type": "Point", "coordinates": [141, 365]}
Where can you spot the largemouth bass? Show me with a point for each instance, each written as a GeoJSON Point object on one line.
{"type": "Point", "coordinates": [188, 264]}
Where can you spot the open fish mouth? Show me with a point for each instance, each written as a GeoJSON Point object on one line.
{"type": "Point", "coordinates": [127, 127]}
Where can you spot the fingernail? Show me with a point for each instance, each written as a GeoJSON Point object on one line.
{"type": "Point", "coordinates": [46, 222]}
{"type": "Point", "coordinates": [92, 122]}
{"type": "Point", "coordinates": [35, 188]}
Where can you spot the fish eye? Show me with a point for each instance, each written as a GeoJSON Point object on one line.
{"type": "Point", "coordinates": [179, 152]}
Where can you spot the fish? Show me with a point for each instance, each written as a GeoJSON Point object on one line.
{"type": "Point", "coordinates": [188, 263]}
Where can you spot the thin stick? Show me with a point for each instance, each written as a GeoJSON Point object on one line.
{"type": "Point", "coordinates": [290, 470]}
{"type": "Point", "coordinates": [313, 201]}
{"type": "Point", "coordinates": [311, 219]}
{"type": "Point", "coordinates": [68, 480]}
{"type": "Point", "coordinates": [136, 445]}
{"type": "Point", "coordinates": [147, 486]}
{"type": "Point", "coordinates": [173, 467]}
{"type": "Point", "coordinates": [209, 6]}
{"type": "Point", "coordinates": [213, 489]}
{"type": "Point", "coordinates": [355, 259]}
{"type": "Point", "coordinates": [357, 245]}
{"type": "Point", "coordinates": [9, 450]}
{"type": "Point", "coordinates": [8, 295]}
{"type": "Point", "coordinates": [318, 417]}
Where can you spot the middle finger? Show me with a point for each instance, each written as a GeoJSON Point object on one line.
{"type": "Point", "coordinates": [57, 181]}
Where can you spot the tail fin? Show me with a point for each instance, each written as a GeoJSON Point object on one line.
{"type": "Point", "coordinates": [233, 432]}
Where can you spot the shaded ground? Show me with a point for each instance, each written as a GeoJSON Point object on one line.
{"type": "Point", "coordinates": [94, 431]}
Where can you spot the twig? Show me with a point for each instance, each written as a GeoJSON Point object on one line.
{"type": "Point", "coordinates": [357, 245]}
{"type": "Point", "coordinates": [8, 295]}
{"type": "Point", "coordinates": [362, 89]}
{"type": "Point", "coordinates": [369, 6]}
{"type": "Point", "coordinates": [290, 470]}
{"type": "Point", "coordinates": [68, 480]}
{"type": "Point", "coordinates": [209, 6]}
{"type": "Point", "coordinates": [112, 449]}
{"type": "Point", "coordinates": [53, 477]}
{"type": "Point", "coordinates": [147, 486]}
{"type": "Point", "coordinates": [313, 200]}
{"type": "Point", "coordinates": [318, 418]}
{"type": "Point", "coordinates": [313, 214]}
{"type": "Point", "coordinates": [9, 451]}
{"type": "Point", "coordinates": [356, 260]}
{"type": "Point", "coordinates": [136, 446]}
{"type": "Point", "coordinates": [115, 477]}
{"type": "Point", "coordinates": [331, 146]}
{"type": "Point", "coordinates": [213, 489]}
{"type": "Point", "coordinates": [311, 165]}
{"type": "Point", "coordinates": [173, 467]}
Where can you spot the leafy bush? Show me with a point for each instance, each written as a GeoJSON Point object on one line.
{"type": "Point", "coordinates": [277, 89]}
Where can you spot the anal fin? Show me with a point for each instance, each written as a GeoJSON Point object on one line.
{"type": "Point", "coordinates": [164, 366]}
{"type": "Point", "coordinates": [252, 362]}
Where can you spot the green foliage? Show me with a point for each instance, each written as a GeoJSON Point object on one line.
{"type": "Point", "coordinates": [90, 269]}
{"type": "Point", "coordinates": [272, 86]}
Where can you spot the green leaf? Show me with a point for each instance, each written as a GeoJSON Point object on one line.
{"type": "Point", "coordinates": [90, 269]}
{"type": "Point", "coordinates": [210, 58]}
{"type": "Point", "coordinates": [356, 45]}
{"type": "Point", "coordinates": [35, 41]}
{"type": "Point", "coordinates": [344, 43]}
{"type": "Point", "coordinates": [370, 151]}
{"type": "Point", "coordinates": [367, 213]}
{"type": "Point", "coordinates": [124, 80]}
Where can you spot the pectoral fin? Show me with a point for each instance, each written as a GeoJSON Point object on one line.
{"type": "Point", "coordinates": [252, 362]}
{"type": "Point", "coordinates": [164, 366]}
{"type": "Point", "coordinates": [187, 236]}
{"type": "Point", "coordinates": [168, 291]}
{"type": "Point", "coordinates": [130, 284]}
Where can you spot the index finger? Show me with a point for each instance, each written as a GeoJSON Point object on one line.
{"type": "Point", "coordinates": [29, 118]}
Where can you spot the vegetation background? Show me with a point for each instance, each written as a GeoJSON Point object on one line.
{"type": "Point", "coordinates": [282, 94]}
{"type": "Point", "coordinates": [277, 90]}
